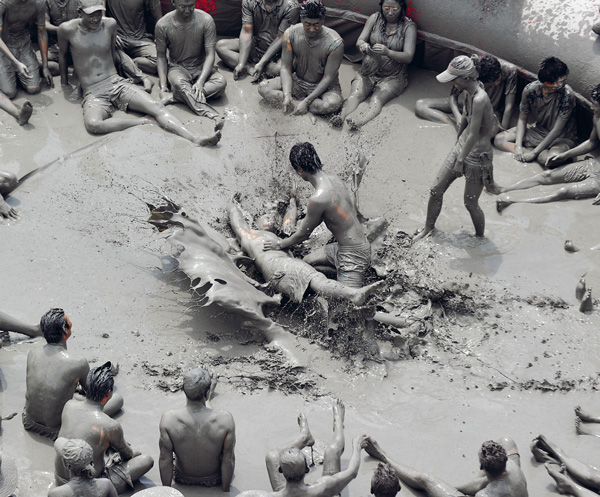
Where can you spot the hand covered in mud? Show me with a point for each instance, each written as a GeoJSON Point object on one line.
{"type": "Point", "coordinates": [596, 201]}
{"type": "Point", "coordinates": [524, 155]}
{"type": "Point", "coordinates": [256, 72]}
{"type": "Point", "coordinates": [22, 70]}
{"type": "Point", "coordinates": [287, 104]}
{"type": "Point", "coordinates": [6, 211]}
{"type": "Point", "coordinates": [301, 108]}
{"type": "Point", "coordinates": [361, 442]}
{"type": "Point", "coordinates": [554, 160]}
{"type": "Point", "coordinates": [364, 47]}
{"type": "Point", "coordinates": [239, 71]}
{"type": "Point", "coordinates": [459, 167]}
{"type": "Point", "coordinates": [118, 43]}
{"type": "Point", "coordinates": [272, 245]}
{"type": "Point", "coordinates": [198, 91]}
{"type": "Point", "coordinates": [380, 49]}
{"type": "Point", "coordinates": [47, 77]}
{"type": "Point", "coordinates": [146, 81]}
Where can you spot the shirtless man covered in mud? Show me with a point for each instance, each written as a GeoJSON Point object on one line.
{"type": "Point", "coordinates": [310, 61]}
{"type": "Point", "coordinates": [500, 464]}
{"type": "Point", "coordinates": [287, 465]}
{"type": "Point", "coordinates": [113, 456]}
{"type": "Point", "coordinates": [52, 377]}
{"type": "Point", "coordinates": [132, 31]}
{"type": "Point", "coordinates": [190, 36]}
{"type": "Point", "coordinates": [91, 42]}
{"type": "Point", "coordinates": [472, 154]}
{"type": "Point", "coordinates": [17, 58]}
{"type": "Point", "coordinates": [583, 176]}
{"type": "Point", "coordinates": [8, 182]}
{"type": "Point", "coordinates": [263, 25]}
{"type": "Point", "coordinates": [330, 203]}
{"type": "Point", "coordinates": [183, 430]}
{"type": "Point", "coordinates": [287, 274]}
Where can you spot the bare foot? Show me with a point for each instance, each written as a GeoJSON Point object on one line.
{"type": "Point", "coordinates": [25, 113]}
{"type": "Point", "coordinates": [208, 141]}
{"type": "Point", "coordinates": [563, 484]}
{"type": "Point", "coordinates": [363, 293]}
{"type": "Point", "coordinates": [585, 416]}
{"type": "Point", "coordinates": [502, 204]}
{"type": "Point", "coordinates": [219, 123]}
{"type": "Point", "coordinates": [422, 234]}
{"type": "Point", "coordinates": [339, 413]}
{"type": "Point", "coordinates": [167, 98]}
{"type": "Point", "coordinates": [372, 448]}
{"type": "Point", "coordinates": [305, 433]}
{"type": "Point", "coordinates": [541, 451]}
{"type": "Point", "coordinates": [336, 121]}
{"type": "Point", "coordinates": [494, 189]}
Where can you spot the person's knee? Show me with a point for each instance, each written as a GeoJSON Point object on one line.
{"type": "Point", "coordinates": [545, 177]}
{"type": "Point", "coordinates": [10, 91]}
{"type": "Point", "coordinates": [33, 89]}
{"type": "Point", "coordinates": [219, 88]}
{"type": "Point", "coordinates": [264, 89]}
{"type": "Point", "coordinates": [500, 139]}
{"type": "Point", "coordinates": [471, 203]}
{"type": "Point", "coordinates": [94, 125]}
{"type": "Point", "coordinates": [421, 107]}
{"type": "Point", "coordinates": [221, 47]}
{"type": "Point", "coordinates": [8, 182]}
{"type": "Point", "coordinates": [144, 462]}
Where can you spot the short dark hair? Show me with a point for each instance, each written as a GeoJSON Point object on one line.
{"type": "Point", "coordinates": [595, 93]}
{"type": "Point", "coordinates": [489, 69]}
{"type": "Point", "coordinates": [401, 3]}
{"type": "Point", "coordinates": [303, 155]}
{"type": "Point", "coordinates": [53, 325]}
{"type": "Point", "coordinates": [551, 69]}
{"type": "Point", "coordinates": [312, 9]}
{"type": "Point", "coordinates": [196, 383]}
{"type": "Point", "coordinates": [99, 382]}
{"type": "Point", "coordinates": [492, 458]}
{"type": "Point", "coordinates": [385, 481]}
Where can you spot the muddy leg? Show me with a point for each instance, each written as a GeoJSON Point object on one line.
{"type": "Point", "coordinates": [333, 452]}
{"type": "Point", "coordinates": [585, 416]}
{"type": "Point", "coordinates": [137, 466]}
{"type": "Point", "coordinates": [583, 429]}
{"type": "Point", "coordinates": [565, 485]}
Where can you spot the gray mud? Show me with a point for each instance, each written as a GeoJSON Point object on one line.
{"type": "Point", "coordinates": [505, 350]}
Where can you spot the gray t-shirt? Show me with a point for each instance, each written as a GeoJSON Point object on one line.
{"type": "Point", "coordinates": [59, 12]}
{"type": "Point", "coordinates": [266, 25]}
{"type": "Point", "coordinates": [17, 15]}
{"type": "Point", "coordinates": [310, 58]}
{"type": "Point", "coordinates": [507, 85]}
{"type": "Point", "coordinates": [131, 16]}
{"type": "Point", "coordinates": [187, 43]}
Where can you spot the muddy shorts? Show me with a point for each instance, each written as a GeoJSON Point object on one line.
{"type": "Point", "coordinates": [45, 431]}
{"type": "Point", "coordinates": [301, 89]}
{"type": "Point", "coordinates": [393, 85]}
{"type": "Point", "coordinates": [23, 52]}
{"type": "Point", "coordinates": [110, 93]}
{"type": "Point", "coordinates": [257, 53]}
{"type": "Point", "coordinates": [205, 481]}
{"type": "Point", "coordinates": [291, 277]}
{"type": "Point", "coordinates": [478, 165]}
{"type": "Point", "coordinates": [580, 171]}
{"type": "Point", "coordinates": [534, 136]}
{"type": "Point", "coordinates": [213, 87]}
{"type": "Point", "coordinates": [351, 262]}
{"type": "Point", "coordinates": [139, 48]}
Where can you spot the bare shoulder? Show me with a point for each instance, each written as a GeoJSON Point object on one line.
{"type": "Point", "coordinates": [68, 27]}
{"type": "Point", "coordinates": [224, 418]}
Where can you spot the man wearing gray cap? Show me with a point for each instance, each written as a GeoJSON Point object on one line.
{"type": "Point", "coordinates": [471, 156]}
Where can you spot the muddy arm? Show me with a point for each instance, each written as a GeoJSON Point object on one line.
{"type": "Point", "coordinates": [165, 460]}
{"type": "Point", "coordinates": [9, 323]}
{"type": "Point", "coordinates": [228, 457]}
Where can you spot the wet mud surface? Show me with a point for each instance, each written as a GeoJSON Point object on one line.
{"type": "Point", "coordinates": [496, 345]}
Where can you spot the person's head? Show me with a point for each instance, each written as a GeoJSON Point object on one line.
{"type": "Point", "coordinates": [292, 464]}
{"type": "Point", "coordinates": [77, 456]}
{"type": "Point", "coordinates": [196, 383]}
{"type": "Point", "coordinates": [460, 72]}
{"type": "Point", "coordinates": [392, 10]}
{"type": "Point", "coordinates": [55, 325]}
{"type": "Point", "coordinates": [553, 73]}
{"type": "Point", "coordinates": [492, 458]}
{"type": "Point", "coordinates": [385, 481]}
{"type": "Point", "coordinates": [271, 219]}
{"type": "Point", "coordinates": [312, 17]}
{"type": "Point", "coordinates": [490, 70]}
{"type": "Point", "coordinates": [91, 12]}
{"type": "Point", "coordinates": [304, 158]}
{"type": "Point", "coordinates": [595, 95]}
{"type": "Point", "coordinates": [100, 384]}
{"type": "Point", "coordinates": [184, 8]}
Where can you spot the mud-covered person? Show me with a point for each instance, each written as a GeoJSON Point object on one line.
{"type": "Point", "coordinates": [310, 61]}
{"type": "Point", "coordinates": [263, 25]}
{"type": "Point", "coordinates": [17, 58]}
{"type": "Point", "coordinates": [183, 430]}
{"type": "Point", "coordinates": [332, 204]}
{"type": "Point", "coordinates": [113, 456]}
{"type": "Point", "coordinates": [91, 42]}
{"type": "Point", "coordinates": [52, 377]}
{"type": "Point", "coordinates": [190, 36]}
{"type": "Point", "coordinates": [388, 43]}
{"type": "Point", "coordinates": [8, 182]}
{"type": "Point", "coordinates": [472, 154]}
{"type": "Point", "coordinates": [77, 456]}
{"type": "Point", "coordinates": [552, 103]}
{"type": "Point", "coordinates": [132, 31]}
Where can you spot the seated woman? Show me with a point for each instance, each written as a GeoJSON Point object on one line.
{"type": "Point", "coordinates": [388, 43]}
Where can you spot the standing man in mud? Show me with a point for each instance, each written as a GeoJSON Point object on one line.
{"type": "Point", "coordinates": [330, 203]}
{"type": "Point", "coordinates": [183, 430]}
{"type": "Point", "coordinates": [52, 377]}
{"type": "Point", "coordinates": [113, 456]}
{"type": "Point", "coordinates": [91, 42]}
{"type": "Point", "coordinates": [190, 36]}
{"type": "Point", "coordinates": [310, 61]}
{"type": "Point", "coordinates": [17, 58]}
{"type": "Point", "coordinates": [263, 25]}
{"type": "Point", "coordinates": [132, 31]}
{"type": "Point", "coordinates": [472, 154]}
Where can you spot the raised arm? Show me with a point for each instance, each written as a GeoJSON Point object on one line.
{"type": "Point", "coordinates": [165, 460]}
{"type": "Point", "coordinates": [9, 323]}
{"type": "Point", "coordinates": [228, 455]}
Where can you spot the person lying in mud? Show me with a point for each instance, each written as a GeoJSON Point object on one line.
{"type": "Point", "coordinates": [310, 61]}
{"type": "Point", "coordinates": [584, 174]}
{"type": "Point", "coordinates": [132, 30]}
{"type": "Point", "coordinates": [499, 79]}
{"type": "Point", "coordinates": [183, 430]}
{"type": "Point", "coordinates": [330, 203]}
{"type": "Point", "coordinates": [52, 377]}
{"type": "Point", "coordinates": [287, 274]}
{"type": "Point", "coordinates": [190, 36]}
{"type": "Point", "coordinates": [388, 43]}
{"type": "Point", "coordinates": [552, 103]}
{"type": "Point", "coordinates": [8, 182]}
{"type": "Point", "coordinates": [287, 465]}
{"type": "Point", "coordinates": [385, 482]}
{"type": "Point", "coordinates": [91, 42]}
{"type": "Point", "coordinates": [17, 58]}
{"type": "Point", "coordinates": [263, 25]}
{"type": "Point", "coordinates": [77, 456]}
{"type": "Point", "coordinates": [113, 456]}
{"type": "Point", "coordinates": [500, 465]}
{"type": "Point", "coordinates": [472, 154]}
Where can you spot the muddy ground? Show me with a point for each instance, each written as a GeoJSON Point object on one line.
{"type": "Point", "coordinates": [506, 351]}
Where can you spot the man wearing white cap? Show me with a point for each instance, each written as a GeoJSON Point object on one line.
{"type": "Point", "coordinates": [91, 42]}
{"type": "Point", "coordinates": [471, 156]}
